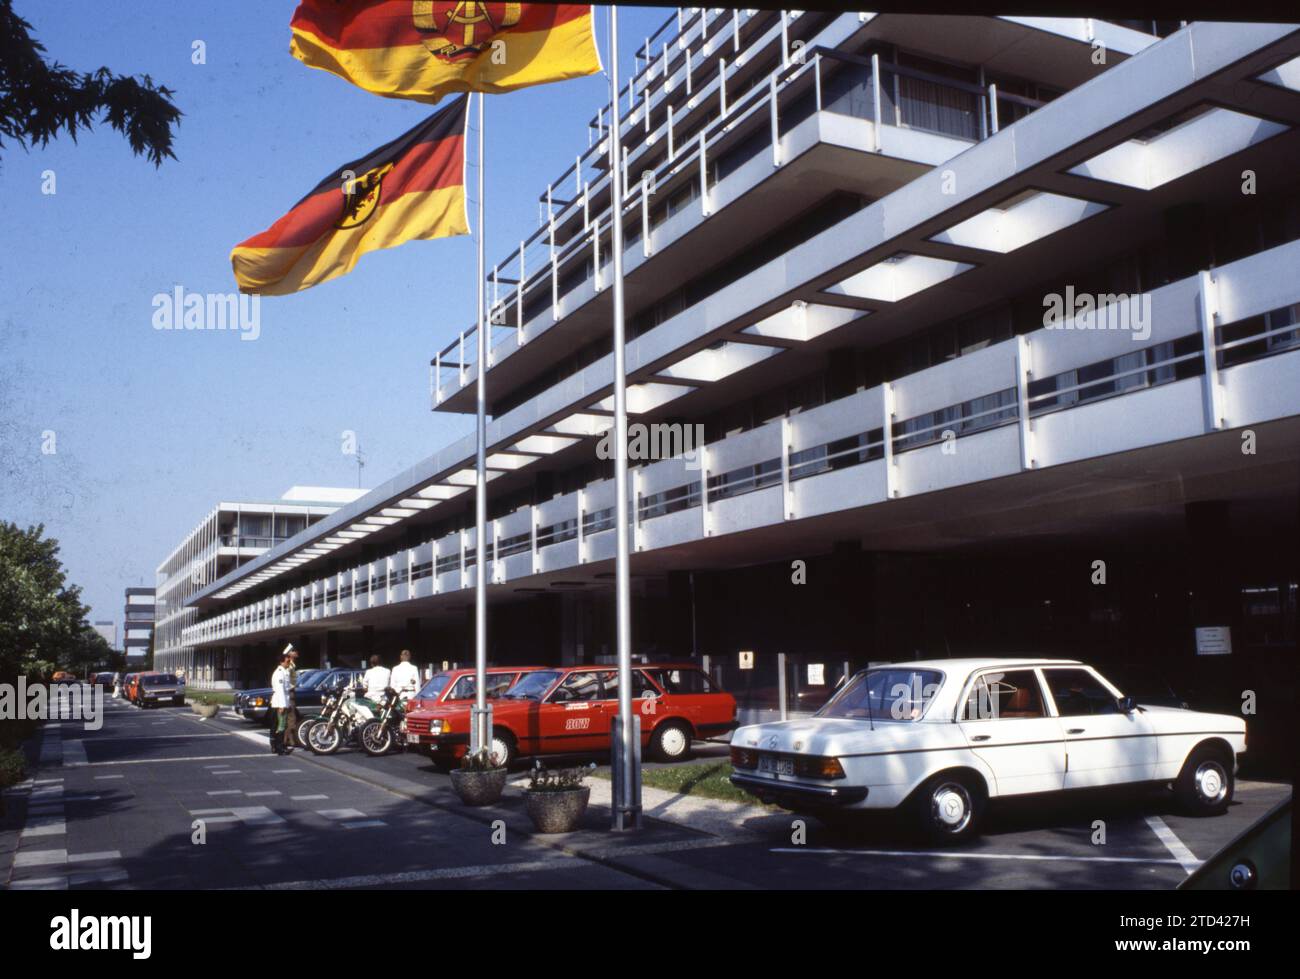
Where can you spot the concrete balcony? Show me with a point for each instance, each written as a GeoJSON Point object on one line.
{"type": "Point", "coordinates": [1213, 352]}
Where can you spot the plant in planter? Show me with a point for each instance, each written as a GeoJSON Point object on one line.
{"type": "Point", "coordinates": [478, 781]}
{"type": "Point", "coordinates": [205, 707]}
{"type": "Point", "coordinates": [556, 798]}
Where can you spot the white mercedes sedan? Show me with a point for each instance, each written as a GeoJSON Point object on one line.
{"type": "Point", "coordinates": [943, 737]}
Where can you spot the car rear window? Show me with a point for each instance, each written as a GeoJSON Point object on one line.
{"type": "Point", "coordinates": [682, 680]}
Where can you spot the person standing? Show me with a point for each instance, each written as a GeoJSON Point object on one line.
{"type": "Point", "coordinates": [406, 677]}
{"type": "Point", "coordinates": [281, 703]}
{"type": "Point", "coordinates": [377, 679]}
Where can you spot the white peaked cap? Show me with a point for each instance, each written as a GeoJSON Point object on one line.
{"type": "Point", "coordinates": [287, 650]}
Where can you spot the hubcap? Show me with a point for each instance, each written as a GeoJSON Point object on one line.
{"type": "Point", "coordinates": [673, 741]}
{"type": "Point", "coordinates": [499, 751]}
{"type": "Point", "coordinates": [950, 807]}
{"type": "Point", "coordinates": [1211, 782]}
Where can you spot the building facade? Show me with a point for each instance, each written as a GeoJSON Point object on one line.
{"type": "Point", "coordinates": [947, 336]}
{"type": "Point", "coordinates": [137, 623]}
{"type": "Point", "coordinates": [229, 537]}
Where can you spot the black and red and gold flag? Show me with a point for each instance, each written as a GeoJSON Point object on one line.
{"type": "Point", "coordinates": [412, 188]}
{"type": "Point", "coordinates": [426, 49]}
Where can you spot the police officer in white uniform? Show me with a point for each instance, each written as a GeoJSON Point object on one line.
{"type": "Point", "coordinates": [377, 679]}
{"type": "Point", "coordinates": [281, 702]}
{"type": "Point", "coordinates": [406, 677]}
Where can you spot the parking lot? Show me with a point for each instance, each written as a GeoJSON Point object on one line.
{"type": "Point", "coordinates": [162, 799]}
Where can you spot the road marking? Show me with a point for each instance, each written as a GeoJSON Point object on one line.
{"type": "Point", "coordinates": [232, 771]}
{"type": "Point", "coordinates": [74, 754]}
{"type": "Point", "coordinates": [419, 876]}
{"type": "Point", "coordinates": [307, 798]}
{"type": "Point", "coordinates": [250, 815]}
{"type": "Point", "coordinates": [955, 855]}
{"type": "Point", "coordinates": [364, 823]}
{"type": "Point", "coordinates": [226, 792]}
{"type": "Point", "coordinates": [155, 761]}
{"type": "Point", "coordinates": [286, 771]}
{"type": "Point", "coordinates": [46, 781]}
{"type": "Point", "coordinates": [101, 778]}
{"type": "Point", "coordinates": [1184, 857]}
{"type": "Point", "coordinates": [101, 855]}
{"type": "Point", "coordinates": [267, 792]}
{"type": "Point", "coordinates": [44, 827]}
{"type": "Point", "coordinates": [73, 880]}
{"type": "Point", "coordinates": [341, 813]}
{"type": "Point", "coordinates": [147, 737]}
{"type": "Point", "coordinates": [43, 858]}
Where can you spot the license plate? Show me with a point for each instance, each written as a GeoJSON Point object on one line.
{"type": "Point", "coordinates": [412, 739]}
{"type": "Point", "coordinates": [773, 765]}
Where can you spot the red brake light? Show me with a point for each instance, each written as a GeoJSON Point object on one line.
{"type": "Point", "coordinates": [743, 758]}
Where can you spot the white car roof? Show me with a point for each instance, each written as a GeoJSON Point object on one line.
{"type": "Point", "coordinates": [970, 663]}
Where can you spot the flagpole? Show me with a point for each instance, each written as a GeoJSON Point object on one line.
{"type": "Point", "coordinates": [627, 760]}
{"type": "Point", "coordinates": [481, 729]}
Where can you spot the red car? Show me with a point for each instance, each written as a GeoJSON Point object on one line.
{"type": "Point", "coordinates": [569, 710]}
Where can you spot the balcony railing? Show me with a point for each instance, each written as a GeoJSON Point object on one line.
{"type": "Point", "coordinates": [1221, 351]}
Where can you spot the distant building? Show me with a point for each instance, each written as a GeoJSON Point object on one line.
{"type": "Point", "coordinates": [137, 621]}
{"type": "Point", "coordinates": [230, 536]}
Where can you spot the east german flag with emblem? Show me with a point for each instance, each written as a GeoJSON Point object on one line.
{"type": "Point", "coordinates": [425, 49]}
{"type": "Point", "coordinates": [410, 189]}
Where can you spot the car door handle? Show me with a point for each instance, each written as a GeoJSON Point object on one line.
{"type": "Point", "coordinates": [1075, 730]}
{"type": "Point", "coordinates": [981, 737]}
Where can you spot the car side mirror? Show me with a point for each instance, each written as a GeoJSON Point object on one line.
{"type": "Point", "coordinates": [1126, 705]}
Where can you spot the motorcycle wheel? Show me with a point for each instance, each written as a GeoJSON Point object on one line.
{"type": "Point", "coordinates": [323, 739]}
{"type": "Point", "coordinates": [304, 729]}
{"type": "Point", "coordinates": [376, 739]}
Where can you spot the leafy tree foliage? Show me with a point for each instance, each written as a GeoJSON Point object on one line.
{"type": "Point", "coordinates": [40, 99]}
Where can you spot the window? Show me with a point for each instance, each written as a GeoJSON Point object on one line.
{"type": "Point", "coordinates": [679, 681]}
{"type": "Point", "coordinates": [1078, 693]}
{"type": "Point", "coordinates": [895, 694]}
{"type": "Point", "coordinates": [497, 684]}
{"type": "Point", "coordinates": [1004, 695]}
{"type": "Point", "coordinates": [583, 685]}
{"type": "Point", "coordinates": [436, 685]}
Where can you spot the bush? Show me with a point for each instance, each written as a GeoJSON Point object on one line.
{"type": "Point", "coordinates": [478, 761]}
{"type": "Point", "coordinates": [12, 765]}
{"type": "Point", "coordinates": [542, 779]}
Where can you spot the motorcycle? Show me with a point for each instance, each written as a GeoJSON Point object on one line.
{"type": "Point", "coordinates": [341, 719]}
{"type": "Point", "coordinates": [378, 736]}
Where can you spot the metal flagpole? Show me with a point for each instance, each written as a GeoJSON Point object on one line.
{"type": "Point", "coordinates": [626, 743]}
{"type": "Point", "coordinates": [481, 729]}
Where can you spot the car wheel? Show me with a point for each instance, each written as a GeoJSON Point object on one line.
{"type": "Point", "coordinates": [503, 749]}
{"type": "Point", "coordinates": [671, 742]}
{"type": "Point", "coordinates": [948, 808]}
{"type": "Point", "coordinates": [1204, 787]}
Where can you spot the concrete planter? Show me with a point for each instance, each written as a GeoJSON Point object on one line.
{"type": "Point", "coordinates": [556, 811]}
{"type": "Point", "coordinates": [206, 710]}
{"type": "Point", "coordinates": [477, 788]}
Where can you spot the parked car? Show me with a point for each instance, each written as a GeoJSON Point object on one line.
{"type": "Point", "coordinates": [942, 738]}
{"type": "Point", "coordinates": [451, 691]}
{"type": "Point", "coordinates": [564, 710]}
{"type": "Point", "coordinates": [313, 685]}
{"type": "Point", "coordinates": [154, 689]}
{"type": "Point", "coordinates": [102, 680]}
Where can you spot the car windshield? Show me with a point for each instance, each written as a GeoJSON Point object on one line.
{"type": "Point", "coordinates": [436, 685]}
{"type": "Point", "coordinates": [532, 686]}
{"type": "Point", "coordinates": [165, 679]}
{"type": "Point", "coordinates": [890, 694]}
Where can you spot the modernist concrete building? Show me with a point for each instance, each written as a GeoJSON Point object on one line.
{"type": "Point", "coordinates": [228, 538]}
{"type": "Point", "coordinates": [137, 622]}
{"type": "Point", "coordinates": [865, 255]}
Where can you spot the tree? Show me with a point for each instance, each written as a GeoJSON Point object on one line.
{"type": "Point", "coordinates": [40, 99]}
{"type": "Point", "coordinates": [42, 620]}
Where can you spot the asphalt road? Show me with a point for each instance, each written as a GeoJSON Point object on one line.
{"type": "Point", "coordinates": [163, 799]}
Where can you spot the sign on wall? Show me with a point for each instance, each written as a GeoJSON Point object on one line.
{"type": "Point", "coordinates": [746, 659]}
{"type": "Point", "coordinates": [1214, 640]}
{"type": "Point", "coordinates": [816, 674]}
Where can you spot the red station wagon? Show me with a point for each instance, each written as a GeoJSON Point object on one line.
{"type": "Point", "coordinates": [569, 710]}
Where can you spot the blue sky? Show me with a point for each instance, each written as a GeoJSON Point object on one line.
{"type": "Point", "coordinates": [152, 428]}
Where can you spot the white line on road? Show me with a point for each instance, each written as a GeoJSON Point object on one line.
{"type": "Point", "coordinates": [1184, 857]}
{"type": "Point", "coordinates": [267, 792]}
{"type": "Point", "coordinates": [101, 778]}
{"type": "Point", "coordinates": [286, 771]}
{"type": "Point", "coordinates": [364, 824]}
{"type": "Point", "coordinates": [226, 792]}
{"type": "Point", "coordinates": [307, 798]}
{"type": "Point", "coordinates": [955, 855]}
{"type": "Point", "coordinates": [155, 761]}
